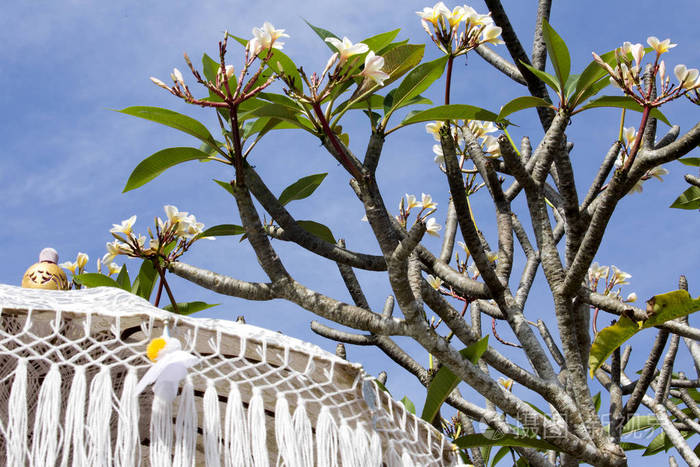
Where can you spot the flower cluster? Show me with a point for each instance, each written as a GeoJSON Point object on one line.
{"type": "Point", "coordinates": [171, 239]}
{"type": "Point", "coordinates": [479, 129]}
{"type": "Point", "coordinates": [444, 28]}
{"type": "Point", "coordinates": [618, 278]}
{"type": "Point", "coordinates": [427, 207]}
{"type": "Point", "coordinates": [627, 73]}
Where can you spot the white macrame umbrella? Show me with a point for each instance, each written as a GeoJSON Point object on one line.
{"type": "Point", "coordinates": [70, 362]}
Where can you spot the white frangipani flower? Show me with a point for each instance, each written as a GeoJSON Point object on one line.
{"type": "Point", "coordinates": [373, 68]}
{"type": "Point", "coordinates": [432, 227]}
{"type": "Point", "coordinates": [228, 72]}
{"type": "Point", "coordinates": [114, 249]}
{"type": "Point", "coordinates": [427, 201]}
{"type": "Point", "coordinates": [435, 282]}
{"type": "Point", "coordinates": [631, 298]}
{"type": "Point", "coordinates": [265, 38]}
{"type": "Point", "coordinates": [620, 277]}
{"type": "Point", "coordinates": [491, 146]}
{"type": "Point", "coordinates": [411, 202]}
{"type": "Point", "coordinates": [69, 265]}
{"type": "Point", "coordinates": [125, 227]}
{"type": "Point", "coordinates": [82, 260]}
{"type": "Point", "coordinates": [660, 46]}
{"type": "Point", "coordinates": [346, 48]}
{"type": "Point", "coordinates": [439, 156]}
{"type": "Point", "coordinates": [114, 268]}
{"type": "Point", "coordinates": [687, 78]}
{"type": "Point", "coordinates": [492, 35]}
{"type": "Point", "coordinates": [171, 365]}
{"type": "Point", "coordinates": [629, 134]}
{"type": "Point", "coordinates": [596, 272]}
{"type": "Point", "coordinates": [658, 172]}
{"type": "Point", "coordinates": [432, 15]}
{"type": "Point", "coordinates": [434, 129]}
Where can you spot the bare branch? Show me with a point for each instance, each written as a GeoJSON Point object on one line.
{"type": "Point", "coordinates": [351, 282]}
{"type": "Point", "coordinates": [646, 377]}
{"type": "Point", "coordinates": [539, 49]}
{"type": "Point", "coordinates": [223, 284]}
{"type": "Point", "coordinates": [500, 63]}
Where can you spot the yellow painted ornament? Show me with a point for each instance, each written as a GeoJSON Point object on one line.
{"type": "Point", "coordinates": [45, 274]}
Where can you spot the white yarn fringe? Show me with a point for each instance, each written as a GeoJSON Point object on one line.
{"type": "Point", "coordinates": [326, 439]}
{"type": "Point", "coordinates": [284, 433]}
{"type": "Point", "coordinates": [74, 424]}
{"type": "Point", "coordinates": [258, 434]}
{"type": "Point", "coordinates": [186, 428]}
{"type": "Point", "coordinates": [17, 418]}
{"type": "Point", "coordinates": [212, 426]}
{"type": "Point", "coordinates": [47, 419]}
{"type": "Point", "coordinates": [236, 434]}
{"type": "Point", "coordinates": [127, 449]}
{"type": "Point", "coordinates": [305, 443]}
{"type": "Point", "coordinates": [161, 432]}
{"type": "Point", "coordinates": [347, 446]}
{"type": "Point", "coordinates": [99, 449]}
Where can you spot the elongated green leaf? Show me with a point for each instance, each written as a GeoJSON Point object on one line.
{"type": "Point", "coordinates": [589, 92]}
{"type": "Point", "coordinates": [663, 443]}
{"type": "Point", "coordinates": [445, 381]}
{"type": "Point", "coordinates": [639, 423]}
{"type": "Point", "coordinates": [689, 199]}
{"type": "Point", "coordinates": [408, 404]}
{"type": "Point", "coordinates": [452, 112]}
{"type": "Point", "coordinates": [500, 454]}
{"type": "Point", "coordinates": [302, 188]}
{"type": "Point", "coordinates": [225, 185]}
{"type": "Point", "coordinates": [323, 34]}
{"type": "Point", "coordinates": [146, 279]}
{"type": "Point", "coordinates": [264, 125]}
{"type": "Point", "coordinates": [281, 112]}
{"type": "Point", "coordinates": [623, 102]}
{"type": "Point", "coordinates": [502, 439]}
{"type": "Point", "coordinates": [93, 279]}
{"type": "Point", "coordinates": [209, 67]}
{"type": "Point", "coordinates": [521, 103]}
{"type": "Point", "coordinates": [320, 230]}
{"type": "Point", "coordinates": [399, 60]}
{"type": "Point", "coordinates": [157, 163]}
{"type": "Point", "coordinates": [123, 279]}
{"type": "Point", "coordinates": [222, 230]}
{"type": "Point", "coordinates": [660, 308]}
{"type": "Point", "coordinates": [668, 306]}
{"type": "Point", "coordinates": [378, 42]}
{"type": "Point", "coordinates": [548, 79]}
{"type": "Point", "coordinates": [596, 402]}
{"type": "Point", "coordinates": [627, 446]}
{"type": "Point", "coordinates": [172, 119]}
{"type": "Point", "coordinates": [558, 53]}
{"type": "Point", "coordinates": [278, 60]}
{"type": "Point", "coordinates": [691, 161]}
{"type": "Point", "coordinates": [187, 308]}
{"type": "Point", "coordinates": [417, 81]}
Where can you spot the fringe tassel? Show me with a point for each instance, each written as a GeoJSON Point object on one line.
{"type": "Point", "coordinates": [285, 434]}
{"type": "Point", "coordinates": [161, 432]}
{"type": "Point", "coordinates": [362, 453]}
{"type": "Point", "coordinates": [17, 418]}
{"type": "Point", "coordinates": [128, 443]}
{"type": "Point", "coordinates": [99, 446]}
{"type": "Point", "coordinates": [305, 443]}
{"type": "Point", "coordinates": [74, 424]}
{"type": "Point", "coordinates": [347, 446]}
{"type": "Point", "coordinates": [186, 428]}
{"type": "Point", "coordinates": [47, 419]}
{"type": "Point", "coordinates": [406, 460]}
{"type": "Point", "coordinates": [392, 458]}
{"type": "Point", "coordinates": [236, 436]}
{"type": "Point", "coordinates": [258, 434]}
{"type": "Point", "coordinates": [212, 426]}
{"type": "Point", "coordinates": [375, 449]}
{"type": "Point", "coordinates": [326, 439]}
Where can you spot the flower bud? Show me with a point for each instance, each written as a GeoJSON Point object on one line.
{"type": "Point", "coordinates": [177, 76]}
{"type": "Point", "coordinates": [158, 82]}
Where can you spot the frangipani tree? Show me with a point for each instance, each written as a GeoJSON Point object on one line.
{"type": "Point", "coordinates": [439, 299]}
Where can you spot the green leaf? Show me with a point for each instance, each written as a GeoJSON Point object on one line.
{"type": "Point", "coordinates": [558, 53]}
{"type": "Point", "coordinates": [123, 279]}
{"type": "Point", "coordinates": [399, 60]}
{"type": "Point", "coordinates": [302, 188]}
{"type": "Point", "coordinates": [623, 102]}
{"type": "Point", "coordinates": [323, 34]}
{"type": "Point", "coordinates": [639, 423]}
{"type": "Point", "coordinates": [320, 230]}
{"type": "Point", "coordinates": [222, 230]}
{"type": "Point", "coordinates": [589, 92]}
{"type": "Point", "coordinates": [225, 185]}
{"type": "Point", "coordinates": [279, 59]}
{"type": "Point", "coordinates": [281, 112]}
{"type": "Point", "coordinates": [660, 308]}
{"type": "Point", "coordinates": [452, 112]}
{"type": "Point", "coordinates": [548, 79]}
{"type": "Point", "coordinates": [378, 42]}
{"type": "Point", "coordinates": [93, 279]}
{"type": "Point", "coordinates": [668, 306]}
{"type": "Point", "coordinates": [144, 282]}
{"type": "Point", "coordinates": [691, 161]}
{"type": "Point", "coordinates": [172, 119]}
{"type": "Point", "coordinates": [445, 381]}
{"type": "Point", "coordinates": [627, 446]}
{"type": "Point", "coordinates": [157, 163]}
{"type": "Point", "coordinates": [503, 452]}
{"type": "Point", "coordinates": [408, 404]}
{"type": "Point", "coordinates": [417, 81]}
{"type": "Point", "coordinates": [210, 67]}
{"type": "Point", "coordinates": [596, 402]}
{"type": "Point", "coordinates": [501, 439]}
{"type": "Point", "coordinates": [689, 199]}
{"type": "Point", "coordinates": [187, 308]}
{"type": "Point", "coordinates": [521, 103]}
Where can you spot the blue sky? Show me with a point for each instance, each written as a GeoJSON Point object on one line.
{"type": "Point", "coordinates": [66, 156]}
